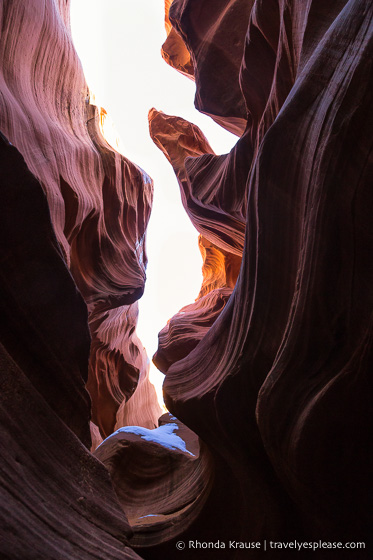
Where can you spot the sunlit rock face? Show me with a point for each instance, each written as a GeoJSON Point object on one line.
{"type": "Point", "coordinates": [279, 387]}
{"type": "Point", "coordinates": [99, 201]}
{"type": "Point", "coordinates": [174, 50]}
{"type": "Point", "coordinates": [185, 329]}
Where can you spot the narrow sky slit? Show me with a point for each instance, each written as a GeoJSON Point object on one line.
{"type": "Point", "coordinates": [119, 45]}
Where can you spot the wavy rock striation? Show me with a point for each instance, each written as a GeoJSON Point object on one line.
{"type": "Point", "coordinates": [185, 329]}
{"type": "Point", "coordinates": [279, 387]}
{"type": "Point", "coordinates": [56, 500]}
{"type": "Point", "coordinates": [147, 466]}
{"type": "Point", "coordinates": [119, 370]}
{"type": "Point", "coordinates": [212, 187]}
{"type": "Point", "coordinates": [72, 210]}
{"type": "Point", "coordinates": [214, 34]}
{"type": "Point", "coordinates": [174, 50]}
{"type": "Point", "coordinates": [269, 371]}
{"type": "Point", "coordinates": [99, 201]}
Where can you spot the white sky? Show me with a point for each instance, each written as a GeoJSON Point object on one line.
{"type": "Point", "coordinates": [119, 42]}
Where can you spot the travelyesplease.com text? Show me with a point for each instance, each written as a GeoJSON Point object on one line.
{"type": "Point", "coordinates": [268, 545]}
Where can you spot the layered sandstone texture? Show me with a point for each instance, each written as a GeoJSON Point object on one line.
{"type": "Point", "coordinates": [56, 500]}
{"type": "Point", "coordinates": [73, 219]}
{"type": "Point", "coordinates": [161, 477]}
{"type": "Point", "coordinates": [268, 372]}
{"type": "Point", "coordinates": [99, 201]}
{"type": "Point", "coordinates": [185, 329]}
{"type": "Point", "coordinates": [278, 384]}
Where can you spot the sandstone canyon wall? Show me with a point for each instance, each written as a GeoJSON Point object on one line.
{"type": "Point", "coordinates": [73, 217]}
{"type": "Point", "coordinates": [268, 372]}
{"type": "Point", "coordinates": [279, 388]}
{"type": "Point", "coordinates": [99, 201]}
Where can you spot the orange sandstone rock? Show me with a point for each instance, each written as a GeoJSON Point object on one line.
{"type": "Point", "coordinates": [185, 329]}
{"type": "Point", "coordinates": [174, 50]}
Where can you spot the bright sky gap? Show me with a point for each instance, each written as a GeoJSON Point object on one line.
{"type": "Point", "coordinates": [119, 44]}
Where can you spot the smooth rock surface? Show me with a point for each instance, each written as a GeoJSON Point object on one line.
{"type": "Point", "coordinates": [174, 50]}
{"type": "Point", "coordinates": [214, 33]}
{"type": "Point", "coordinates": [161, 476]}
{"type": "Point", "coordinates": [268, 372]}
{"type": "Point", "coordinates": [56, 500]}
{"type": "Point", "coordinates": [279, 388]}
{"type": "Point", "coordinates": [185, 329]}
{"type": "Point", "coordinates": [99, 201]}
{"type": "Point", "coordinates": [213, 188]}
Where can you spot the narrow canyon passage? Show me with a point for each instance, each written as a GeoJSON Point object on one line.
{"type": "Point", "coordinates": [127, 76]}
{"type": "Point", "coordinates": [265, 335]}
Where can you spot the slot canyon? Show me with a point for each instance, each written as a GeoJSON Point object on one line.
{"type": "Point", "coordinates": [267, 439]}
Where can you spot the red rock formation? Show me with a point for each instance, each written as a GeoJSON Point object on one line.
{"type": "Point", "coordinates": [214, 34]}
{"type": "Point", "coordinates": [51, 348]}
{"type": "Point", "coordinates": [279, 387]}
{"type": "Point", "coordinates": [142, 407]}
{"type": "Point", "coordinates": [277, 383]}
{"type": "Point", "coordinates": [118, 363]}
{"type": "Point", "coordinates": [212, 187]}
{"type": "Point", "coordinates": [99, 201]}
{"type": "Point", "coordinates": [71, 200]}
{"type": "Point", "coordinates": [147, 466]}
{"type": "Point", "coordinates": [174, 50]}
{"type": "Point", "coordinates": [185, 329]}
{"type": "Point", "coordinates": [56, 500]}
{"type": "Point", "coordinates": [95, 436]}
